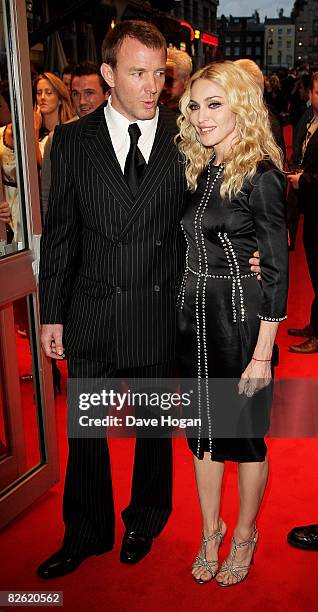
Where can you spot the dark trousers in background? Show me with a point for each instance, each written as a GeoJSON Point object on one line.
{"type": "Point", "coordinates": [88, 507]}
{"type": "Point", "coordinates": [293, 214]}
{"type": "Point", "coordinates": [310, 238]}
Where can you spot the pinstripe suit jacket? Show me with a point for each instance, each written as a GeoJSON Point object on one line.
{"type": "Point", "coordinates": [110, 265]}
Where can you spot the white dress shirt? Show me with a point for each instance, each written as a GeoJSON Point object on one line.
{"type": "Point", "coordinates": [118, 130]}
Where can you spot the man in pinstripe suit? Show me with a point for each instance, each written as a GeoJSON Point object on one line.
{"type": "Point", "coordinates": [110, 268]}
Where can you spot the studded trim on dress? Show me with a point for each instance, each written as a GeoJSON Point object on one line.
{"type": "Point", "coordinates": [235, 275]}
{"type": "Point", "coordinates": [202, 276]}
{"type": "Point", "coordinates": [274, 319]}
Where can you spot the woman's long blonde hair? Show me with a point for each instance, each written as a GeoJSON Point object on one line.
{"type": "Point", "coordinates": [254, 141]}
{"type": "Point", "coordinates": [66, 110]}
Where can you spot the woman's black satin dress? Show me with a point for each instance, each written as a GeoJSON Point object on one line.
{"type": "Point", "coordinates": [221, 303]}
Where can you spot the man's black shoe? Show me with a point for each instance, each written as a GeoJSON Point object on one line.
{"type": "Point", "coordinates": [304, 537]}
{"type": "Point", "coordinates": [134, 547]}
{"type": "Point", "coordinates": [62, 563]}
{"type": "Point", "coordinates": [305, 332]}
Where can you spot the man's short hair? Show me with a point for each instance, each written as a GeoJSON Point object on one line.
{"type": "Point", "coordinates": [68, 69]}
{"type": "Point", "coordinates": [87, 68]}
{"type": "Point", "coordinates": [146, 33]}
{"type": "Point", "coordinates": [180, 59]}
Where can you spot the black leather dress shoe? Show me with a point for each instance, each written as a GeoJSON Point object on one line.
{"type": "Point", "coordinates": [304, 537]}
{"type": "Point", "coordinates": [62, 563]}
{"type": "Point", "coordinates": [305, 332]}
{"type": "Point", "coordinates": [134, 547]}
{"type": "Point", "coordinates": [306, 348]}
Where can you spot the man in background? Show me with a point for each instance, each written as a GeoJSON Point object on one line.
{"type": "Point", "coordinates": [178, 72]}
{"type": "Point", "coordinates": [88, 91]}
{"type": "Point", "coordinates": [306, 183]}
{"type": "Point", "coordinates": [67, 76]}
{"type": "Point", "coordinates": [88, 88]}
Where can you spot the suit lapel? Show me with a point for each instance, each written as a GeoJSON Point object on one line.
{"type": "Point", "coordinates": [163, 154]}
{"type": "Point", "coordinates": [312, 142]}
{"type": "Point", "coordinates": [98, 146]}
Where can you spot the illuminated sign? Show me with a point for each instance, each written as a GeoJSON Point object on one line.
{"type": "Point", "coordinates": [183, 46]}
{"type": "Point", "coordinates": [185, 24]}
{"type": "Point", "coordinates": [209, 39]}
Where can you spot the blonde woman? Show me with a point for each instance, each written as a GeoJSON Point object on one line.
{"type": "Point", "coordinates": [227, 319]}
{"type": "Point", "coordinates": [53, 107]}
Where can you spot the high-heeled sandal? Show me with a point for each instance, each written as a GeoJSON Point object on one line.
{"type": "Point", "coordinates": [210, 566]}
{"type": "Point", "coordinates": [238, 570]}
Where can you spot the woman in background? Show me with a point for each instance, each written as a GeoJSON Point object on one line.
{"type": "Point", "coordinates": [274, 97]}
{"type": "Point", "coordinates": [10, 206]}
{"type": "Point", "coordinates": [53, 107]}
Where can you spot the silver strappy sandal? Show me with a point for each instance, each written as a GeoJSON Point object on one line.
{"type": "Point", "coordinates": [240, 572]}
{"type": "Point", "coordinates": [203, 562]}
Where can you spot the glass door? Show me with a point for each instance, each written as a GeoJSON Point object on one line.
{"type": "Point", "coordinates": [28, 444]}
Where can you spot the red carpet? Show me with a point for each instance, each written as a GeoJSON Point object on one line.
{"type": "Point", "coordinates": [282, 578]}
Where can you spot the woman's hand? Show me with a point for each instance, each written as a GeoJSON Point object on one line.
{"type": "Point", "coordinates": [5, 212]}
{"type": "Point", "coordinates": [37, 119]}
{"type": "Point", "coordinates": [255, 377]}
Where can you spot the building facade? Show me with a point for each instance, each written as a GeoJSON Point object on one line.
{"type": "Point", "coordinates": [279, 43]}
{"type": "Point", "coordinates": [202, 14]}
{"type": "Point", "coordinates": [241, 37]}
{"type": "Point", "coordinates": [305, 15]}
{"type": "Point", "coordinates": [201, 17]}
{"type": "Point", "coordinates": [81, 27]}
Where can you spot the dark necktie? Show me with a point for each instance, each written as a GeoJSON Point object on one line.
{"type": "Point", "coordinates": [135, 162]}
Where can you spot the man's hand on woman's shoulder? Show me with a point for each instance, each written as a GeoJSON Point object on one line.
{"type": "Point", "coordinates": [254, 264]}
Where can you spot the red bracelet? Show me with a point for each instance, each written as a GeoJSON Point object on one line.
{"type": "Point", "coordinates": [254, 359]}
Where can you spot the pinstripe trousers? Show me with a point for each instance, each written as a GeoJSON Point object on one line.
{"type": "Point", "coordinates": [88, 507]}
